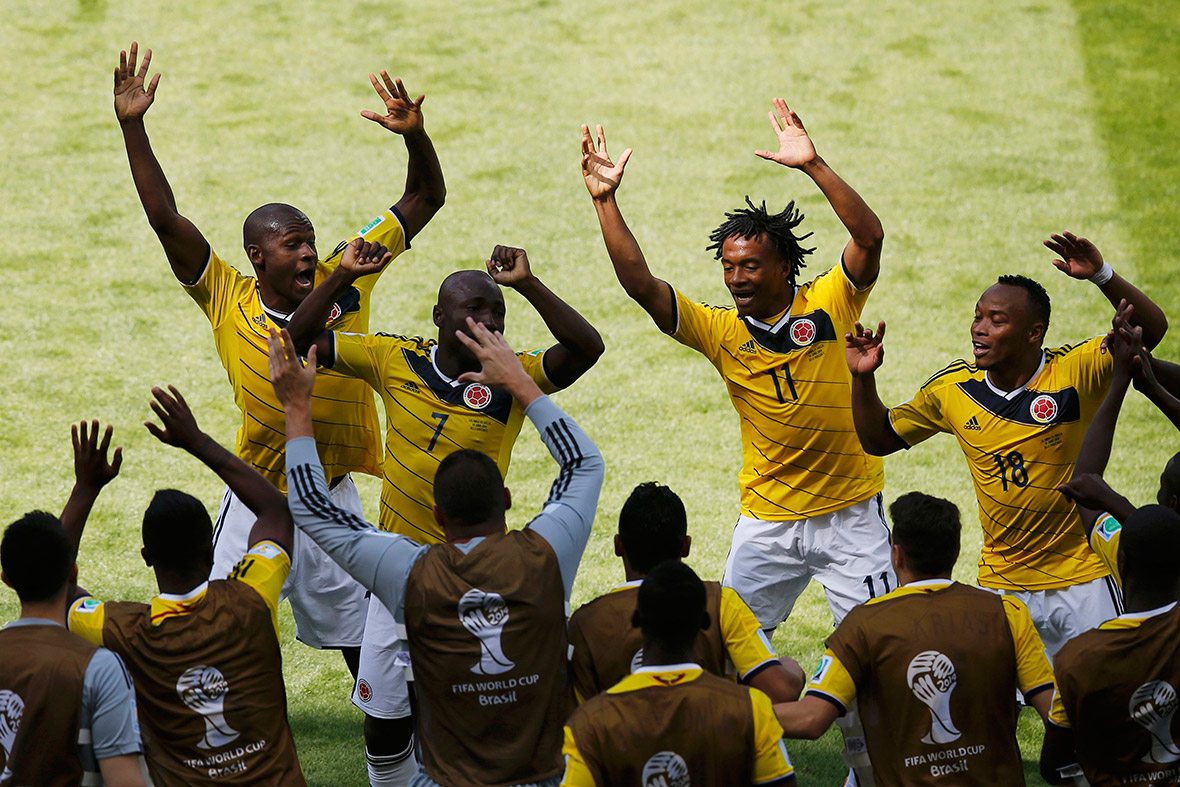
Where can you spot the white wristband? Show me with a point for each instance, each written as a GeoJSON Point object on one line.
{"type": "Point", "coordinates": [1103, 275]}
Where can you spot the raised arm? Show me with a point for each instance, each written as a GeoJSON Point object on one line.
{"type": "Point", "coordinates": [92, 472]}
{"type": "Point", "coordinates": [426, 190]}
{"type": "Point", "coordinates": [862, 254]}
{"type": "Point", "coordinates": [578, 344]}
{"type": "Point", "coordinates": [865, 353]}
{"type": "Point", "coordinates": [180, 430]}
{"type": "Point", "coordinates": [602, 178]}
{"type": "Point", "coordinates": [1080, 259]}
{"type": "Point", "coordinates": [186, 248]}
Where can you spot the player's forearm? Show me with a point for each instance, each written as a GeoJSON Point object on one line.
{"type": "Point", "coordinates": [1166, 373]}
{"type": "Point", "coordinates": [582, 469]}
{"type": "Point", "coordinates": [311, 316]}
{"type": "Point", "coordinates": [154, 192]}
{"type": "Point", "coordinates": [625, 255]}
{"type": "Point", "coordinates": [779, 683]}
{"type": "Point", "coordinates": [858, 218]}
{"type": "Point", "coordinates": [1164, 400]}
{"type": "Point", "coordinates": [426, 189]}
{"type": "Point", "coordinates": [1095, 451]}
{"type": "Point", "coordinates": [569, 328]}
{"type": "Point", "coordinates": [259, 495]}
{"type": "Point", "coordinates": [77, 511]}
{"type": "Point", "coordinates": [807, 718]}
{"type": "Point", "coordinates": [1147, 314]}
{"type": "Point", "coordinates": [870, 416]}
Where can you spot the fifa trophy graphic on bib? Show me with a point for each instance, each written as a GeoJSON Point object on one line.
{"type": "Point", "coordinates": [203, 689]}
{"type": "Point", "coordinates": [932, 678]}
{"type": "Point", "coordinates": [1153, 705]}
{"type": "Point", "coordinates": [484, 615]}
{"type": "Point", "coordinates": [12, 708]}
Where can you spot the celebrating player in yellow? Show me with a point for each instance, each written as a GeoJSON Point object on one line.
{"type": "Point", "coordinates": [1019, 412]}
{"type": "Point", "coordinates": [279, 241]}
{"type": "Point", "coordinates": [810, 503]}
{"type": "Point", "coordinates": [431, 414]}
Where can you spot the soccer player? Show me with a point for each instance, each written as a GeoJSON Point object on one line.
{"type": "Point", "coordinates": [280, 244]}
{"type": "Point", "coordinates": [933, 666]}
{"type": "Point", "coordinates": [672, 721]}
{"type": "Point", "coordinates": [1019, 413]}
{"type": "Point", "coordinates": [67, 708]}
{"type": "Point", "coordinates": [204, 654]}
{"type": "Point", "coordinates": [430, 414]}
{"type": "Point", "coordinates": [484, 613]}
{"type": "Point", "coordinates": [605, 647]}
{"type": "Point", "coordinates": [1116, 685]}
{"type": "Point", "coordinates": [810, 496]}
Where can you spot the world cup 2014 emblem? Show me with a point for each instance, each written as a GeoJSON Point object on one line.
{"type": "Point", "coordinates": [666, 769]}
{"type": "Point", "coordinates": [932, 678]}
{"type": "Point", "coordinates": [203, 689]}
{"type": "Point", "coordinates": [12, 708]}
{"type": "Point", "coordinates": [1152, 707]}
{"type": "Point", "coordinates": [484, 615]}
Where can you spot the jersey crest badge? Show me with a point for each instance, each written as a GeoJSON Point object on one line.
{"type": "Point", "coordinates": [477, 396]}
{"type": "Point", "coordinates": [363, 690]}
{"type": "Point", "coordinates": [335, 313]}
{"type": "Point", "coordinates": [1043, 409]}
{"type": "Point", "coordinates": [803, 332]}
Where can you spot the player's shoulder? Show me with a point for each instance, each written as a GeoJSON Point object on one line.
{"type": "Point", "coordinates": [953, 373]}
{"type": "Point", "coordinates": [413, 343]}
{"type": "Point", "coordinates": [622, 597]}
{"type": "Point", "coordinates": [1068, 352]}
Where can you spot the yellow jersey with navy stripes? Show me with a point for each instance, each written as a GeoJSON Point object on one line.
{"type": "Point", "coordinates": [345, 415]}
{"type": "Point", "coordinates": [428, 417]}
{"type": "Point", "coordinates": [1020, 446]}
{"type": "Point", "coordinates": [791, 387]}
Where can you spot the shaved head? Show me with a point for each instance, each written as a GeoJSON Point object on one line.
{"type": "Point", "coordinates": [462, 283]}
{"type": "Point", "coordinates": [269, 221]}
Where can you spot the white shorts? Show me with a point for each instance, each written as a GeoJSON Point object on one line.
{"type": "Point", "coordinates": [847, 551]}
{"type": "Point", "coordinates": [1063, 613]}
{"type": "Point", "coordinates": [328, 605]}
{"type": "Point", "coordinates": [381, 689]}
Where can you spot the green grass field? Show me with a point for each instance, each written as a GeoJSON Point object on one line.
{"type": "Point", "coordinates": [974, 130]}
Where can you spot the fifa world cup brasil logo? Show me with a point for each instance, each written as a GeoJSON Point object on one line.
{"type": "Point", "coordinates": [484, 615]}
{"type": "Point", "coordinates": [1152, 707]}
{"type": "Point", "coordinates": [12, 708]}
{"type": "Point", "coordinates": [931, 676]}
{"type": "Point", "coordinates": [666, 769]}
{"type": "Point", "coordinates": [203, 690]}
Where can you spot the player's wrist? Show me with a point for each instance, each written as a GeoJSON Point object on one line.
{"type": "Point", "coordinates": [523, 388]}
{"type": "Point", "coordinates": [1104, 274]}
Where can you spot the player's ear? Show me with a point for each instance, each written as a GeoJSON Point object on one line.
{"type": "Point", "coordinates": [4, 579]}
{"type": "Point", "coordinates": [619, 551]}
{"type": "Point", "coordinates": [1036, 333]}
{"type": "Point", "coordinates": [896, 558]}
{"type": "Point", "coordinates": [686, 547]}
{"type": "Point", "coordinates": [438, 517]}
{"type": "Point", "coordinates": [636, 620]}
{"type": "Point", "coordinates": [147, 561]}
{"type": "Point", "coordinates": [72, 577]}
{"type": "Point", "coordinates": [507, 499]}
{"type": "Point", "coordinates": [254, 254]}
{"type": "Point", "coordinates": [436, 315]}
{"type": "Point", "coordinates": [706, 620]}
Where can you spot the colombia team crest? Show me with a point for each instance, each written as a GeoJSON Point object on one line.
{"type": "Point", "coordinates": [477, 396]}
{"type": "Point", "coordinates": [1043, 409]}
{"type": "Point", "coordinates": [803, 332]}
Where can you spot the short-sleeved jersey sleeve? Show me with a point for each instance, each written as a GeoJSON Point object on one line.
{"type": "Point", "coordinates": [87, 618]}
{"type": "Point", "coordinates": [699, 326]}
{"type": "Point", "coordinates": [265, 568]}
{"type": "Point", "coordinates": [577, 773]}
{"type": "Point", "coordinates": [1088, 367]}
{"type": "Point", "coordinates": [109, 695]}
{"type": "Point", "coordinates": [835, 293]}
{"type": "Point", "coordinates": [745, 643]}
{"type": "Point", "coordinates": [388, 229]}
{"type": "Point", "coordinates": [534, 363]}
{"type": "Point", "coordinates": [1033, 673]}
{"type": "Point", "coordinates": [920, 418]}
{"type": "Point", "coordinates": [771, 763]}
{"type": "Point", "coordinates": [833, 682]}
{"type": "Point", "coordinates": [364, 356]}
{"type": "Point", "coordinates": [218, 289]}
{"type": "Point", "coordinates": [1057, 714]}
{"type": "Point", "coordinates": [1104, 540]}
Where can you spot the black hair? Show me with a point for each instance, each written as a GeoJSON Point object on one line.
{"type": "Point", "coordinates": [36, 556]}
{"type": "Point", "coordinates": [927, 530]}
{"type": "Point", "coordinates": [468, 488]}
{"type": "Point", "coordinates": [1170, 480]}
{"type": "Point", "coordinates": [1150, 548]}
{"type": "Point", "coordinates": [267, 220]}
{"type": "Point", "coordinates": [671, 606]}
{"type": "Point", "coordinates": [753, 222]}
{"type": "Point", "coordinates": [1036, 294]}
{"type": "Point", "coordinates": [177, 533]}
{"type": "Point", "coordinates": [652, 525]}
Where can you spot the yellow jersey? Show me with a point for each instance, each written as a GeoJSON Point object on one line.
{"type": "Point", "coordinates": [1020, 446]}
{"type": "Point", "coordinates": [1104, 540]}
{"type": "Point", "coordinates": [790, 384]}
{"type": "Point", "coordinates": [429, 416]}
{"type": "Point", "coordinates": [345, 415]}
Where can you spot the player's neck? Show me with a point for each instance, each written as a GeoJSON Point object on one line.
{"type": "Point", "coordinates": [179, 584]}
{"type": "Point", "coordinates": [655, 655]}
{"type": "Point", "coordinates": [1013, 375]}
{"type": "Point", "coordinates": [482, 530]}
{"type": "Point", "coordinates": [451, 363]}
{"type": "Point", "coordinates": [1137, 599]}
{"type": "Point", "coordinates": [274, 301]}
{"type": "Point", "coordinates": [54, 609]}
{"type": "Point", "coordinates": [775, 311]}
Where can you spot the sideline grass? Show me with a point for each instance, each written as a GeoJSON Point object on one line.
{"type": "Point", "coordinates": [973, 131]}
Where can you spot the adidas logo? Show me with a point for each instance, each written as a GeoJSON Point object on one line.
{"type": "Point", "coordinates": [412, 387]}
{"type": "Point", "coordinates": [748, 347]}
{"type": "Point", "coordinates": [972, 425]}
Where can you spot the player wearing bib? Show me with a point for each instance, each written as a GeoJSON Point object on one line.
{"type": "Point", "coordinates": [604, 645]}
{"type": "Point", "coordinates": [1019, 413]}
{"type": "Point", "coordinates": [67, 708]}
{"type": "Point", "coordinates": [204, 653]}
{"type": "Point", "coordinates": [279, 242]}
{"type": "Point", "coordinates": [429, 415]}
{"type": "Point", "coordinates": [671, 722]}
{"type": "Point", "coordinates": [809, 493]}
{"type": "Point", "coordinates": [485, 612]}
{"type": "Point", "coordinates": [1116, 685]}
{"type": "Point", "coordinates": [932, 665]}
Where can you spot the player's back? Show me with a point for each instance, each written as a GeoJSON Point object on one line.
{"type": "Point", "coordinates": [1118, 684]}
{"type": "Point", "coordinates": [210, 690]}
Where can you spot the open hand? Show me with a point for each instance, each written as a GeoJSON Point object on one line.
{"type": "Point", "coordinates": [794, 146]}
{"type": "Point", "coordinates": [508, 266]}
{"type": "Point", "coordinates": [403, 115]}
{"type": "Point", "coordinates": [602, 175]}
{"type": "Point", "coordinates": [131, 98]}
{"type": "Point", "coordinates": [362, 257]}
{"type": "Point", "coordinates": [293, 382]}
{"type": "Point", "coordinates": [180, 427]}
{"type": "Point", "coordinates": [499, 366]}
{"type": "Point", "coordinates": [91, 468]}
{"type": "Point", "coordinates": [1080, 259]}
{"type": "Point", "coordinates": [864, 351]}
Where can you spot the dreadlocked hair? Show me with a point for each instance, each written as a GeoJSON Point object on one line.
{"type": "Point", "coordinates": [755, 221]}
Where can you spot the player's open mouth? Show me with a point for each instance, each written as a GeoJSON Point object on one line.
{"type": "Point", "coordinates": [742, 298]}
{"type": "Point", "coordinates": [305, 279]}
{"type": "Point", "coordinates": [979, 349]}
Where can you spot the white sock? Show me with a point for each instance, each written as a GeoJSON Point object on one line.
{"type": "Point", "coordinates": [392, 770]}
